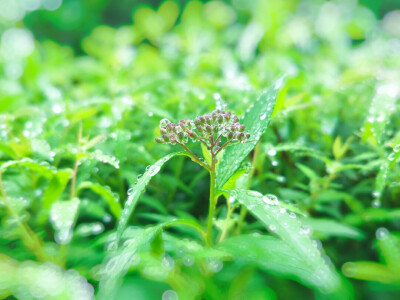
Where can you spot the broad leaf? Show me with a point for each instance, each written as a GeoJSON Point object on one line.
{"type": "Point", "coordinates": [288, 227]}
{"type": "Point", "coordinates": [256, 121]}
{"type": "Point", "coordinates": [269, 254]}
{"type": "Point", "coordinates": [56, 187]}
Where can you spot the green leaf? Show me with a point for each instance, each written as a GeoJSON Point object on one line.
{"type": "Point", "coordinates": [368, 270]}
{"type": "Point", "coordinates": [42, 168]}
{"type": "Point", "coordinates": [327, 228]}
{"type": "Point", "coordinates": [389, 250]}
{"type": "Point", "coordinates": [7, 150]}
{"type": "Point", "coordinates": [63, 215]}
{"type": "Point", "coordinates": [106, 193]}
{"type": "Point", "coordinates": [371, 215]}
{"type": "Point", "coordinates": [101, 157]}
{"type": "Point", "coordinates": [117, 262]}
{"type": "Point", "coordinates": [289, 228]}
{"type": "Point", "coordinates": [380, 112]}
{"type": "Point", "coordinates": [56, 187]}
{"type": "Point", "coordinates": [256, 121]}
{"type": "Point", "coordinates": [206, 154]}
{"type": "Point", "coordinates": [137, 189]}
{"type": "Point", "coordinates": [269, 254]}
{"type": "Point", "coordinates": [307, 171]}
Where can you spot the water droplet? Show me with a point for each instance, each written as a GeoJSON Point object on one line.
{"type": "Point", "coordinates": [270, 199]}
{"type": "Point", "coordinates": [396, 148]}
{"type": "Point", "coordinates": [168, 262]}
{"type": "Point", "coordinates": [392, 156]}
{"type": "Point", "coordinates": [376, 194]}
{"type": "Point", "coordinates": [232, 199]}
{"type": "Point", "coordinates": [154, 169]}
{"type": "Point", "coordinates": [107, 218]}
{"type": "Point", "coordinates": [382, 233]}
{"type": "Point", "coordinates": [57, 109]}
{"type": "Point", "coordinates": [170, 295]}
{"type": "Point", "coordinates": [272, 228]}
{"type": "Point", "coordinates": [292, 215]}
{"type": "Point", "coordinates": [281, 179]}
{"type": "Point", "coordinates": [376, 203]}
{"type": "Point", "coordinates": [263, 116]}
{"type": "Point", "coordinates": [305, 230]}
{"type": "Point", "coordinates": [188, 260]}
{"type": "Point", "coordinates": [349, 269]}
{"type": "Point", "coordinates": [164, 122]}
{"type": "Point", "coordinates": [272, 152]}
{"type": "Point", "coordinates": [214, 264]}
{"type": "Point", "coordinates": [275, 163]}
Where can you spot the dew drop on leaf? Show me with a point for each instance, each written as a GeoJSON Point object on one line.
{"type": "Point", "coordinates": [382, 233]}
{"type": "Point", "coordinates": [170, 295]}
{"type": "Point", "coordinates": [188, 260]}
{"type": "Point", "coordinates": [376, 203]}
{"type": "Point", "coordinates": [272, 228]}
{"type": "Point", "coordinates": [153, 170]}
{"type": "Point", "coordinates": [214, 264]}
{"type": "Point", "coordinates": [392, 156]}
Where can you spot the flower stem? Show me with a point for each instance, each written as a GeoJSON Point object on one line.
{"type": "Point", "coordinates": [226, 222]}
{"type": "Point", "coordinates": [76, 165]}
{"type": "Point", "coordinates": [211, 208]}
{"type": "Point", "coordinates": [195, 157]}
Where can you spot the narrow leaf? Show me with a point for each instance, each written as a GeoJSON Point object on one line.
{"type": "Point", "coordinates": [106, 193]}
{"type": "Point", "coordinates": [137, 189]}
{"type": "Point", "coordinates": [41, 168]}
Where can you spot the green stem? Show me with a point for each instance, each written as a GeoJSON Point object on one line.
{"type": "Point", "coordinates": [195, 157]}
{"type": "Point", "coordinates": [243, 209]}
{"type": "Point", "coordinates": [227, 221]}
{"type": "Point", "coordinates": [76, 165]}
{"type": "Point", "coordinates": [211, 208]}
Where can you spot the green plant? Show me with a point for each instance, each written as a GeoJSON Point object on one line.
{"type": "Point", "coordinates": [306, 207]}
{"type": "Point", "coordinates": [208, 129]}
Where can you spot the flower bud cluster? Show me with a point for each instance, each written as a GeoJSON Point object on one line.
{"type": "Point", "coordinates": [208, 128]}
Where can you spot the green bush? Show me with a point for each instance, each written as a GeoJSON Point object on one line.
{"type": "Point", "coordinates": [306, 206]}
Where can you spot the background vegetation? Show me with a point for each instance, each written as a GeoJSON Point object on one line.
{"type": "Point", "coordinates": [83, 86]}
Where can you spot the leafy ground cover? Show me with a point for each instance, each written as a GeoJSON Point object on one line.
{"type": "Point", "coordinates": [301, 203]}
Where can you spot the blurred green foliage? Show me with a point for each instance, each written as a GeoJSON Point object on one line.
{"type": "Point", "coordinates": [83, 87]}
